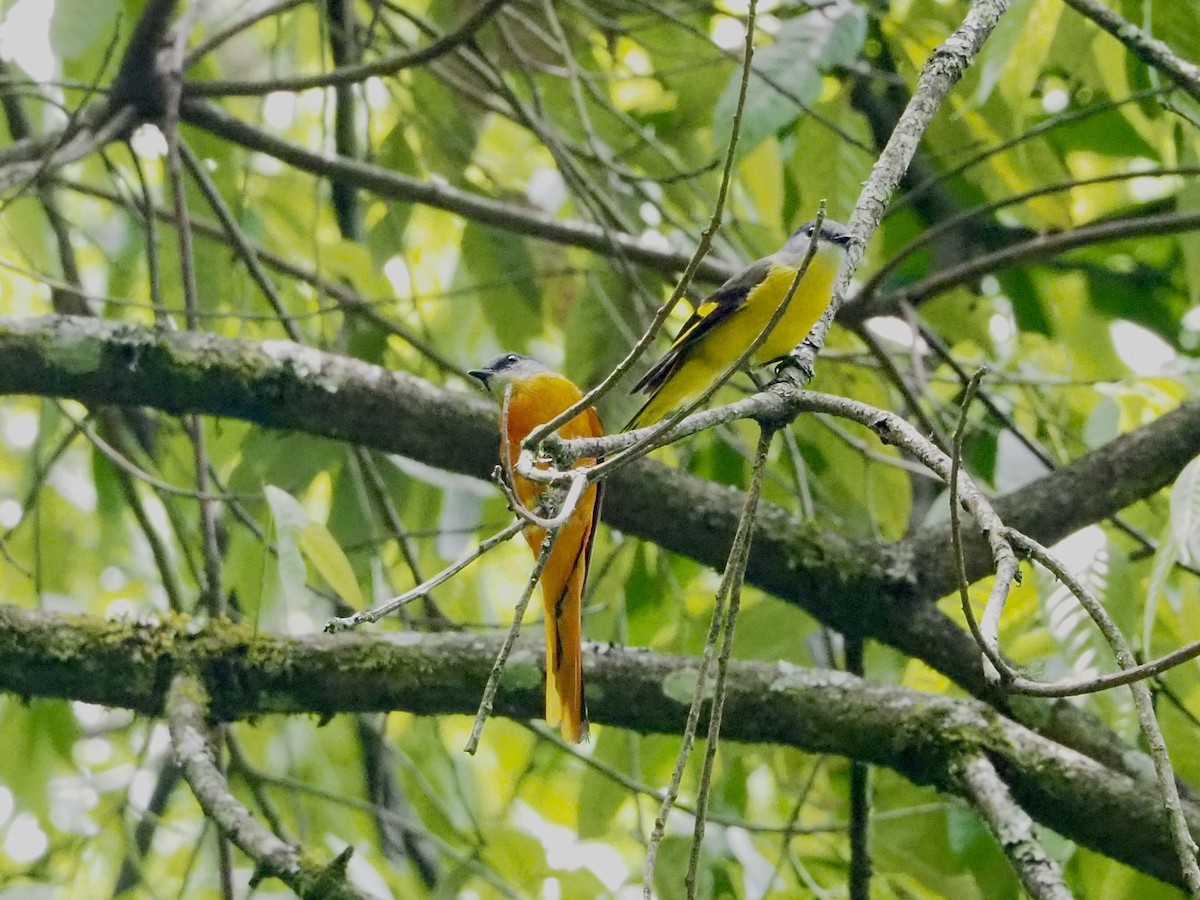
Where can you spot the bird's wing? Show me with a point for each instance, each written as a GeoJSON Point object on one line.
{"type": "Point", "coordinates": [728, 299]}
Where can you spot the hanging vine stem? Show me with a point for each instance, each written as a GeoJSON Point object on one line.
{"type": "Point", "coordinates": [987, 634]}
{"type": "Point", "coordinates": [729, 590]}
{"type": "Point", "coordinates": [731, 584]}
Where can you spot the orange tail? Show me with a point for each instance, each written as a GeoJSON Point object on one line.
{"type": "Point", "coordinates": [562, 591]}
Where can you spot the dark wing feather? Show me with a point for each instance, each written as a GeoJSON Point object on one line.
{"type": "Point", "coordinates": [715, 309]}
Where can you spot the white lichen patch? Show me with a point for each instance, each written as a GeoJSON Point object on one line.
{"type": "Point", "coordinates": [308, 363]}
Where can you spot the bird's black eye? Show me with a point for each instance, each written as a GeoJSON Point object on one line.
{"type": "Point", "coordinates": [808, 231]}
{"type": "Point", "coordinates": [511, 359]}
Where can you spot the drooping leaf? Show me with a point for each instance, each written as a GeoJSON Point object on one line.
{"type": "Point", "coordinates": [323, 552]}
{"type": "Point", "coordinates": [1185, 511]}
{"type": "Point", "coordinates": [497, 266]}
{"type": "Point", "coordinates": [289, 520]}
{"type": "Point", "coordinates": [311, 541]}
{"type": "Point", "coordinates": [78, 24]}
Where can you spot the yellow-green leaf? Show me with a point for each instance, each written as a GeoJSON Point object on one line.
{"type": "Point", "coordinates": [320, 549]}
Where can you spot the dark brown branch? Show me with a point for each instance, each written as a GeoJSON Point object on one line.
{"type": "Point", "coordinates": [395, 186]}
{"type": "Point", "coordinates": [352, 73]}
{"type": "Point", "coordinates": [282, 385]}
{"type": "Point", "coordinates": [921, 736]}
{"type": "Point", "coordinates": [139, 82]}
{"type": "Point", "coordinates": [1039, 248]}
{"type": "Point", "coordinates": [868, 588]}
{"type": "Point", "coordinates": [130, 874]}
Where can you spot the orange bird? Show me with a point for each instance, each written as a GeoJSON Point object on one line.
{"type": "Point", "coordinates": [538, 395]}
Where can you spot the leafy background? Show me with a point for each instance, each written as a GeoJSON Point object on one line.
{"type": "Point", "coordinates": [617, 113]}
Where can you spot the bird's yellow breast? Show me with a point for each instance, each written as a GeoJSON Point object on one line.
{"type": "Point", "coordinates": [808, 303]}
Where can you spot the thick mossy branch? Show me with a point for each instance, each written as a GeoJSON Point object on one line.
{"type": "Point", "coordinates": [870, 588]}
{"type": "Point", "coordinates": [132, 664]}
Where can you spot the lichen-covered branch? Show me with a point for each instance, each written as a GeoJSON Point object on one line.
{"type": "Point", "coordinates": [1013, 829]}
{"type": "Point", "coordinates": [921, 736]}
{"type": "Point", "coordinates": [1145, 47]}
{"type": "Point", "coordinates": [874, 589]}
{"type": "Point", "coordinates": [186, 703]}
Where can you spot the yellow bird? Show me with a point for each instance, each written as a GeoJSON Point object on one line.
{"type": "Point", "coordinates": [538, 395]}
{"type": "Point", "coordinates": [726, 323]}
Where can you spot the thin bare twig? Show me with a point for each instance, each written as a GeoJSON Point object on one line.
{"type": "Point", "coordinates": [493, 682]}
{"type": "Point", "coordinates": [1164, 663]}
{"type": "Point", "coordinates": [731, 585]}
{"type": "Point", "coordinates": [344, 623]}
{"type": "Point", "coordinates": [214, 594]}
{"type": "Point", "coordinates": [1042, 246]}
{"type": "Point", "coordinates": [238, 239]}
{"type": "Point", "coordinates": [693, 266]}
{"type": "Point", "coordinates": [859, 877]}
{"type": "Point", "coordinates": [352, 74]}
{"type": "Point", "coordinates": [986, 635]}
{"type": "Point", "coordinates": [118, 459]}
{"type": "Point", "coordinates": [379, 493]}
{"type": "Point", "coordinates": [1185, 844]}
{"type": "Point", "coordinates": [1149, 50]}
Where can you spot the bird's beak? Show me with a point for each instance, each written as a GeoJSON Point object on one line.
{"type": "Point", "coordinates": [845, 239]}
{"type": "Point", "coordinates": [482, 375]}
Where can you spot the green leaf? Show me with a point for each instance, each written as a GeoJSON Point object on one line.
{"type": "Point", "coordinates": [1164, 561]}
{"type": "Point", "coordinates": [1103, 423]}
{"type": "Point", "coordinates": [671, 866]}
{"type": "Point", "coordinates": [77, 24]}
{"type": "Point", "coordinates": [600, 797]}
{"type": "Point", "coordinates": [320, 549]}
{"type": "Point", "coordinates": [497, 266]}
{"type": "Point", "coordinates": [35, 745]}
{"type": "Point", "coordinates": [1188, 201]}
{"type": "Point", "coordinates": [823, 165]}
{"type": "Point", "coordinates": [602, 306]}
{"type": "Point", "coordinates": [290, 519]}
{"type": "Point", "coordinates": [805, 47]}
{"type": "Point", "coordinates": [385, 238]}
{"type": "Point", "coordinates": [448, 129]}
{"type": "Point", "coordinates": [312, 541]}
{"type": "Point", "coordinates": [645, 587]}
{"type": "Point", "coordinates": [1015, 54]}
{"type": "Point", "coordinates": [110, 504]}
{"type": "Point", "coordinates": [1185, 511]}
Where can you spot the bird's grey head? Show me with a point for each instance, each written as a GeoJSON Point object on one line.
{"type": "Point", "coordinates": [505, 368]}
{"type": "Point", "coordinates": [831, 233]}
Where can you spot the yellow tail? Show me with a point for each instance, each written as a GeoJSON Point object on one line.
{"type": "Point", "coordinates": [682, 386]}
